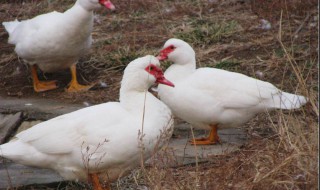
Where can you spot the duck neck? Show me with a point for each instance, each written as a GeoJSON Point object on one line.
{"type": "Point", "coordinates": [88, 5]}
{"type": "Point", "coordinates": [80, 13]}
{"type": "Point", "coordinates": [132, 93]}
{"type": "Point", "coordinates": [133, 100]}
{"type": "Point", "coordinates": [180, 70]}
{"type": "Point", "coordinates": [78, 23]}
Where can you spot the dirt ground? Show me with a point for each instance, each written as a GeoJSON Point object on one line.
{"type": "Point", "coordinates": [226, 34]}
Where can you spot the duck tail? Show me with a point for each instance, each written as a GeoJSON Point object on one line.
{"type": "Point", "coordinates": [9, 151]}
{"type": "Point", "coordinates": [290, 101]}
{"type": "Point", "coordinates": [11, 26]}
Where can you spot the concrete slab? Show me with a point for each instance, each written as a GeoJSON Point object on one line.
{"type": "Point", "coordinates": [41, 109]}
{"type": "Point", "coordinates": [180, 152]}
{"type": "Point", "coordinates": [14, 175]}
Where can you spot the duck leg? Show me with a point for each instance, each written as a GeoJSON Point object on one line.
{"type": "Point", "coordinates": [212, 139]}
{"type": "Point", "coordinates": [94, 178]}
{"type": "Point", "coordinates": [40, 86]}
{"type": "Point", "coordinates": [74, 86]}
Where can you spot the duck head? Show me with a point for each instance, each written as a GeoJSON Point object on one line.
{"type": "Point", "coordinates": [177, 51]}
{"type": "Point", "coordinates": [96, 4]}
{"type": "Point", "coordinates": [107, 4]}
{"type": "Point", "coordinates": [142, 73]}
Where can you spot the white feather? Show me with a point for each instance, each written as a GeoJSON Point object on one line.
{"type": "Point", "coordinates": [102, 138]}
{"type": "Point", "coordinates": [54, 41]}
{"type": "Point", "coordinates": [208, 96]}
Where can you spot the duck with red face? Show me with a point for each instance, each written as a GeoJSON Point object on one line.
{"type": "Point", "coordinates": [210, 98]}
{"type": "Point", "coordinates": [110, 134]}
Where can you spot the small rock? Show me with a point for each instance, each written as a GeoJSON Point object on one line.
{"type": "Point", "coordinates": [213, 1]}
{"type": "Point", "coordinates": [103, 84]}
{"type": "Point", "coordinates": [86, 104]}
{"type": "Point", "coordinates": [265, 25]}
{"type": "Point", "coordinates": [142, 187]}
{"type": "Point", "coordinates": [260, 74]}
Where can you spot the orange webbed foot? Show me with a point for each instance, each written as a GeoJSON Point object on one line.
{"type": "Point", "coordinates": [41, 86]}
{"type": "Point", "coordinates": [76, 87]}
{"type": "Point", "coordinates": [204, 141]}
{"type": "Point", "coordinates": [212, 139]}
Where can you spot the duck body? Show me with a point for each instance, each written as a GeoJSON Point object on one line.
{"type": "Point", "coordinates": [92, 139]}
{"type": "Point", "coordinates": [210, 98]}
{"type": "Point", "coordinates": [62, 48]}
{"type": "Point", "coordinates": [103, 139]}
{"type": "Point", "coordinates": [55, 41]}
{"type": "Point", "coordinates": [214, 96]}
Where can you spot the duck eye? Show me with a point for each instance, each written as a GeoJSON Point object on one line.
{"type": "Point", "coordinates": [150, 68]}
{"type": "Point", "coordinates": [172, 47]}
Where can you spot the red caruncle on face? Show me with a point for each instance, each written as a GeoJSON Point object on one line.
{"type": "Point", "coordinates": [165, 52]}
{"type": "Point", "coordinates": [158, 74]}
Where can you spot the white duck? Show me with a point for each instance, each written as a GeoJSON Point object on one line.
{"type": "Point", "coordinates": [103, 140]}
{"type": "Point", "coordinates": [55, 41]}
{"type": "Point", "coordinates": [210, 98]}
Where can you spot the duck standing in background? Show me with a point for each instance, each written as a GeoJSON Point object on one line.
{"type": "Point", "coordinates": [210, 98]}
{"type": "Point", "coordinates": [102, 141]}
{"type": "Point", "coordinates": [55, 41]}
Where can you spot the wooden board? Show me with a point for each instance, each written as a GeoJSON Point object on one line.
{"type": "Point", "coordinates": [8, 124]}
{"type": "Point", "coordinates": [14, 175]}
{"type": "Point", "coordinates": [39, 109]}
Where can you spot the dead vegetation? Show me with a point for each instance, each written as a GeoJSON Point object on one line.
{"type": "Point", "coordinates": [282, 152]}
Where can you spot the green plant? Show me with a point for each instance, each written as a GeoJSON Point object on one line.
{"type": "Point", "coordinates": [207, 32]}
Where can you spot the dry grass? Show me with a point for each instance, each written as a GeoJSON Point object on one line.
{"type": "Point", "coordinates": [282, 152]}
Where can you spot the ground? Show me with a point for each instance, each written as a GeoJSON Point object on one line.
{"type": "Point", "coordinates": [228, 34]}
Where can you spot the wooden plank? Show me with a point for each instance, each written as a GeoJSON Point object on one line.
{"type": "Point", "coordinates": [14, 175]}
{"type": "Point", "coordinates": [180, 152]}
{"type": "Point", "coordinates": [8, 124]}
{"type": "Point", "coordinates": [38, 109]}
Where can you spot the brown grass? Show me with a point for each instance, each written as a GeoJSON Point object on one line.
{"type": "Point", "coordinates": [282, 152]}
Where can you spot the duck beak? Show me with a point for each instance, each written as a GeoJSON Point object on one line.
{"type": "Point", "coordinates": [162, 56]}
{"type": "Point", "coordinates": [162, 80]}
{"type": "Point", "coordinates": [107, 4]}
{"type": "Point", "coordinates": [157, 72]}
